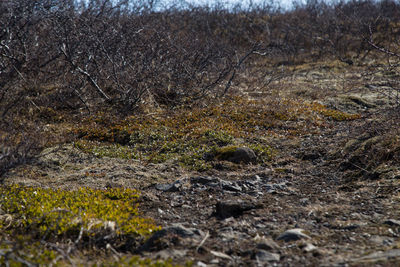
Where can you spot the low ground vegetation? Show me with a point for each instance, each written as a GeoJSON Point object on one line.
{"type": "Point", "coordinates": [119, 118]}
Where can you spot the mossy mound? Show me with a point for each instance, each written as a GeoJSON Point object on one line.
{"type": "Point", "coordinates": [373, 157]}
{"type": "Point", "coordinates": [236, 154]}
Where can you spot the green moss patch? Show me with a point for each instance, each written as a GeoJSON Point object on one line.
{"type": "Point", "coordinates": [189, 136]}
{"type": "Point", "coordinates": [48, 212]}
{"type": "Point", "coordinates": [37, 223]}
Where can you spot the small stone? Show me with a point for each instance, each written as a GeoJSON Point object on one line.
{"type": "Point", "coordinates": [229, 208]}
{"type": "Point", "coordinates": [293, 235]}
{"type": "Point", "coordinates": [229, 186]}
{"type": "Point", "coordinates": [267, 244]}
{"type": "Point", "coordinates": [309, 247]}
{"type": "Point", "coordinates": [182, 231]}
{"type": "Point", "coordinates": [220, 255]}
{"type": "Point", "coordinates": [201, 264]}
{"type": "Point", "coordinates": [263, 256]}
{"type": "Point", "coordinates": [304, 201]}
{"type": "Point", "coordinates": [173, 187]}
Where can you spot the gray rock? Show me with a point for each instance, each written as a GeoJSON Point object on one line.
{"type": "Point", "coordinates": [229, 208]}
{"type": "Point", "coordinates": [263, 256]}
{"type": "Point", "coordinates": [237, 154]}
{"type": "Point", "coordinates": [272, 188]}
{"type": "Point", "coordinates": [309, 248]}
{"type": "Point", "coordinates": [392, 222]}
{"type": "Point", "coordinates": [382, 240]}
{"type": "Point", "coordinates": [293, 235]}
{"type": "Point", "coordinates": [267, 244]}
{"type": "Point", "coordinates": [176, 230]}
{"type": "Point", "coordinates": [201, 264]}
{"type": "Point", "coordinates": [173, 187]}
{"type": "Point", "coordinates": [182, 231]}
{"type": "Point", "coordinates": [230, 186]}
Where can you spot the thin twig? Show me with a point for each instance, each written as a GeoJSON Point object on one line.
{"type": "Point", "coordinates": [207, 235]}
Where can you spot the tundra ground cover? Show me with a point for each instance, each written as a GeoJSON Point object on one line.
{"type": "Point", "coordinates": [118, 123]}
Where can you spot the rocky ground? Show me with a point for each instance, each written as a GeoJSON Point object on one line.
{"type": "Point", "coordinates": [314, 204]}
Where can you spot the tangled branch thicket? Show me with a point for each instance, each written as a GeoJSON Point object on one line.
{"type": "Point", "coordinates": [85, 56]}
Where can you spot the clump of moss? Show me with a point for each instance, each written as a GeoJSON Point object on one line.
{"type": "Point", "coordinates": [63, 213]}
{"type": "Point", "coordinates": [224, 153]}
{"type": "Point", "coordinates": [32, 218]}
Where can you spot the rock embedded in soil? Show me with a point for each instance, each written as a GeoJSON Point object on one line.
{"type": "Point", "coordinates": [172, 187]}
{"type": "Point", "coordinates": [215, 183]}
{"type": "Point", "coordinates": [392, 222]}
{"type": "Point", "coordinates": [182, 231]}
{"type": "Point", "coordinates": [263, 256]}
{"type": "Point", "coordinates": [267, 244]}
{"type": "Point", "coordinates": [233, 208]}
{"type": "Point", "coordinates": [293, 235]}
{"type": "Point", "coordinates": [230, 186]}
{"type": "Point", "coordinates": [175, 230]}
{"type": "Point", "coordinates": [308, 247]}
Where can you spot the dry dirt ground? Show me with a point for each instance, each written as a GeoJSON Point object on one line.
{"type": "Point", "coordinates": [312, 205]}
